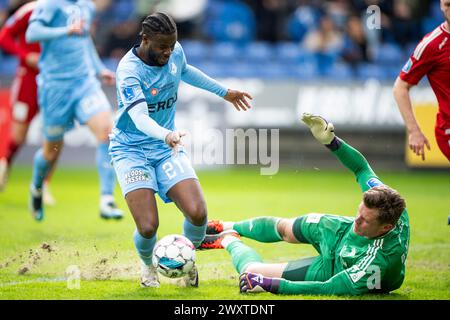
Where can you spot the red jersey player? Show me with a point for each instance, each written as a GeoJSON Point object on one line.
{"type": "Point", "coordinates": [24, 88]}
{"type": "Point", "coordinates": [431, 58]}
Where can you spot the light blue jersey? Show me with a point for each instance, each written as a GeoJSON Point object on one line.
{"type": "Point", "coordinates": [68, 89]}
{"type": "Point", "coordinates": [142, 161]}
{"type": "Point", "coordinates": [156, 86]}
{"type": "Point", "coordinates": [64, 57]}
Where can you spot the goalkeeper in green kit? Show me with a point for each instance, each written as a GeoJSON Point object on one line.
{"type": "Point", "coordinates": [365, 254]}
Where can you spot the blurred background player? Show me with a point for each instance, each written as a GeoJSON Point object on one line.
{"type": "Point", "coordinates": [145, 144]}
{"type": "Point", "coordinates": [23, 98]}
{"type": "Point", "coordinates": [430, 58]}
{"type": "Point", "coordinates": [69, 90]}
{"type": "Point", "coordinates": [356, 255]}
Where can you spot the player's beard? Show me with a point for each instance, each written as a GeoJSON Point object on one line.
{"type": "Point", "coordinates": [155, 59]}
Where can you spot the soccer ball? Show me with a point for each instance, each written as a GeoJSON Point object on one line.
{"type": "Point", "coordinates": [173, 256]}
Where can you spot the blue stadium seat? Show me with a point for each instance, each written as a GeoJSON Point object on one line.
{"type": "Point", "coordinates": [273, 71]}
{"type": "Point", "coordinates": [370, 71]}
{"type": "Point", "coordinates": [195, 51]}
{"type": "Point", "coordinates": [303, 71]}
{"type": "Point", "coordinates": [215, 69]}
{"type": "Point", "coordinates": [122, 10]}
{"type": "Point", "coordinates": [258, 52]}
{"type": "Point", "coordinates": [435, 10]}
{"type": "Point", "coordinates": [289, 51]}
{"type": "Point", "coordinates": [226, 51]}
{"type": "Point", "coordinates": [325, 61]}
{"type": "Point", "coordinates": [229, 20]}
{"type": "Point", "coordinates": [409, 49]}
{"type": "Point", "coordinates": [339, 72]}
{"type": "Point", "coordinates": [389, 53]}
{"type": "Point", "coordinates": [429, 24]}
{"type": "Point", "coordinates": [392, 72]}
{"type": "Point", "coordinates": [241, 70]}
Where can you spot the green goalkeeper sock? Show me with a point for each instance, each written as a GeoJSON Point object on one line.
{"type": "Point", "coordinates": [262, 229]}
{"type": "Point", "coordinates": [242, 255]}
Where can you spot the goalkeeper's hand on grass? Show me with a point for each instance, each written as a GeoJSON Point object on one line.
{"type": "Point", "coordinates": [320, 128]}
{"type": "Point", "coordinates": [254, 283]}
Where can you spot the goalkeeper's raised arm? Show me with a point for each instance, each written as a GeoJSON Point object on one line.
{"type": "Point", "coordinates": [351, 158]}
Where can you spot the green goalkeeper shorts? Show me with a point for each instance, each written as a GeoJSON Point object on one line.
{"type": "Point", "coordinates": [297, 270]}
{"type": "Point", "coordinates": [322, 232]}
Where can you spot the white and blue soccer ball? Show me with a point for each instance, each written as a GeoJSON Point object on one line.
{"type": "Point", "coordinates": [173, 256]}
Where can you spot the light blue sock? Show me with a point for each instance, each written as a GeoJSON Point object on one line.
{"type": "Point", "coordinates": [194, 233]}
{"type": "Point", "coordinates": [144, 247]}
{"type": "Point", "coordinates": [41, 168]}
{"type": "Point", "coordinates": [105, 169]}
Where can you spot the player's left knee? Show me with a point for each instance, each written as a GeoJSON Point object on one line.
{"type": "Point", "coordinates": [284, 228]}
{"type": "Point", "coordinates": [197, 212]}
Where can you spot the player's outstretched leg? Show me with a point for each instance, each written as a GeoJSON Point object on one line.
{"type": "Point", "coordinates": [262, 229]}
{"type": "Point", "coordinates": [214, 227]}
{"type": "Point", "coordinates": [214, 241]}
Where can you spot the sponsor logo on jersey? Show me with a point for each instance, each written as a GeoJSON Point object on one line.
{"type": "Point", "coordinates": [129, 93]}
{"type": "Point", "coordinates": [357, 276]}
{"type": "Point", "coordinates": [355, 273]}
{"type": "Point", "coordinates": [348, 252]}
{"type": "Point", "coordinates": [168, 86]}
{"type": "Point", "coordinates": [173, 68]}
{"type": "Point", "coordinates": [373, 182]}
{"type": "Point", "coordinates": [313, 218]}
{"type": "Point", "coordinates": [162, 105]}
{"type": "Point", "coordinates": [407, 66]}
{"type": "Point", "coordinates": [136, 176]}
{"type": "Point", "coordinates": [154, 91]}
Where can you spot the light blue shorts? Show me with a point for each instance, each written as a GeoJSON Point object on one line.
{"type": "Point", "coordinates": [62, 103]}
{"type": "Point", "coordinates": [146, 167]}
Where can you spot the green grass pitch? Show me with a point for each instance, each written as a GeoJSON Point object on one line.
{"type": "Point", "coordinates": [104, 251]}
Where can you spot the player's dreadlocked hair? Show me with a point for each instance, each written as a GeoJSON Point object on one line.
{"type": "Point", "coordinates": [158, 23]}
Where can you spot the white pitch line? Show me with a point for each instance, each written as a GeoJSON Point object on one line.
{"type": "Point", "coordinates": [38, 280]}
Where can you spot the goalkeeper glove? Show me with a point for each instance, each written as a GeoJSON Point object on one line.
{"type": "Point", "coordinates": [320, 128]}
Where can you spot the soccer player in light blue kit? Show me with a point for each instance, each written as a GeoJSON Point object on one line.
{"type": "Point", "coordinates": [68, 90]}
{"type": "Point", "coordinates": [146, 146]}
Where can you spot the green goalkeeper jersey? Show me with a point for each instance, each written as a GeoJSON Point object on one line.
{"type": "Point", "coordinates": [349, 263]}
